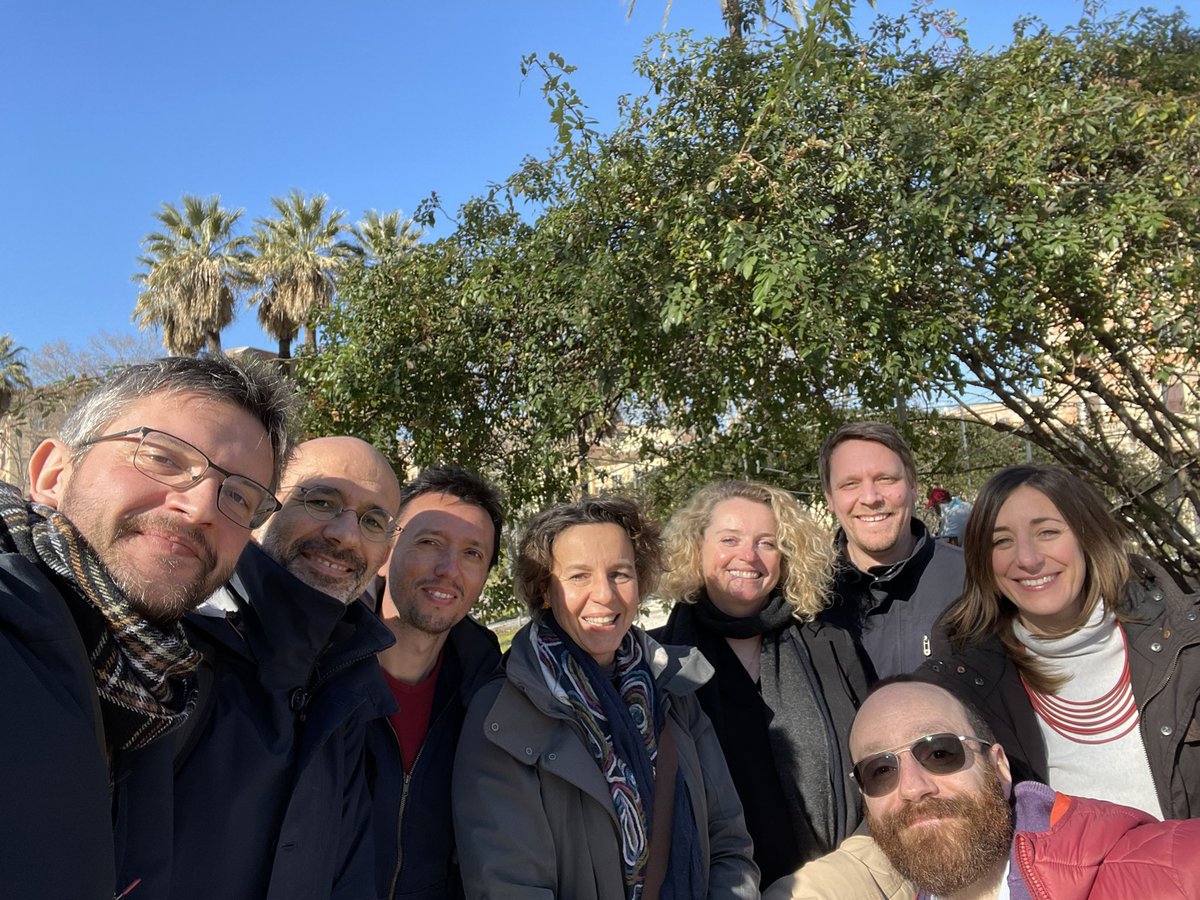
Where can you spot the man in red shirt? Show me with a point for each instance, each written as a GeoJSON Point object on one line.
{"type": "Point", "coordinates": [450, 522]}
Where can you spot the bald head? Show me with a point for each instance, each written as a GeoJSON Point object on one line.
{"type": "Point", "coordinates": [897, 709]}
{"type": "Point", "coordinates": [936, 803]}
{"type": "Point", "coordinates": [335, 553]}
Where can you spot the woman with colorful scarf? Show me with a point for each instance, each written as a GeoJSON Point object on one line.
{"type": "Point", "coordinates": [588, 771]}
{"type": "Point", "coordinates": [749, 570]}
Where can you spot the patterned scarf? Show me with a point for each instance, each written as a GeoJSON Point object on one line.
{"type": "Point", "coordinates": [621, 720]}
{"type": "Point", "coordinates": [142, 671]}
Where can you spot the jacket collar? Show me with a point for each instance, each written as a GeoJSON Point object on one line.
{"type": "Point", "coordinates": [891, 576]}
{"type": "Point", "coordinates": [289, 626]}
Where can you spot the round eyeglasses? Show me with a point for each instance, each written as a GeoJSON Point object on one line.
{"type": "Point", "coordinates": [326, 504]}
{"type": "Point", "coordinates": [940, 754]}
{"type": "Point", "coordinates": [174, 462]}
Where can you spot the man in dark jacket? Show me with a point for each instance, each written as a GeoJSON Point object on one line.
{"type": "Point", "coordinates": [893, 579]}
{"type": "Point", "coordinates": [140, 510]}
{"type": "Point", "coordinates": [450, 524]}
{"type": "Point", "coordinates": [271, 798]}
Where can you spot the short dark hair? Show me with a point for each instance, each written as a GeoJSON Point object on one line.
{"type": "Point", "coordinates": [255, 387]}
{"type": "Point", "coordinates": [876, 433]}
{"type": "Point", "coordinates": [535, 556]}
{"type": "Point", "coordinates": [467, 487]}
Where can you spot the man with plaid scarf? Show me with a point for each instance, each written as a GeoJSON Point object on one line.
{"type": "Point", "coordinates": [140, 509]}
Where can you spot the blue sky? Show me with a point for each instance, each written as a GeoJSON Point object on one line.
{"type": "Point", "coordinates": [109, 109]}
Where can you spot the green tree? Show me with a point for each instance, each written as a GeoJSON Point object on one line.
{"type": "Point", "coordinates": [783, 233]}
{"type": "Point", "coordinates": [383, 237]}
{"type": "Point", "coordinates": [299, 255]}
{"type": "Point", "coordinates": [194, 267]}
{"type": "Point", "coordinates": [14, 373]}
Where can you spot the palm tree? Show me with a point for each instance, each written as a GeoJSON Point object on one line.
{"type": "Point", "coordinates": [14, 374]}
{"type": "Point", "coordinates": [382, 238]}
{"type": "Point", "coordinates": [300, 254]}
{"type": "Point", "coordinates": [194, 268]}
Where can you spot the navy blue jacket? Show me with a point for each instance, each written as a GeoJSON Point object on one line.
{"type": "Point", "coordinates": [74, 821]}
{"type": "Point", "coordinates": [414, 831]}
{"type": "Point", "coordinates": [270, 795]}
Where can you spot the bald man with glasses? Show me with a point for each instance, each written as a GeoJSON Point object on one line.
{"type": "Point", "coordinates": [947, 822]}
{"type": "Point", "coordinates": [271, 800]}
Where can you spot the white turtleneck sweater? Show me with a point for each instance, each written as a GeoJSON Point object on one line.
{"type": "Point", "coordinates": [1093, 658]}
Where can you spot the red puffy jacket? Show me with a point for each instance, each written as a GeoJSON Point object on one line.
{"type": "Point", "coordinates": [1101, 851]}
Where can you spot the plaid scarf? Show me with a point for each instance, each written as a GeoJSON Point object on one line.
{"type": "Point", "coordinates": [142, 671]}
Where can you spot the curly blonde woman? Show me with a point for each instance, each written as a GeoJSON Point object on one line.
{"type": "Point", "coordinates": [749, 571]}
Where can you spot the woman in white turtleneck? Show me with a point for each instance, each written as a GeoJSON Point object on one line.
{"type": "Point", "coordinates": [1085, 660]}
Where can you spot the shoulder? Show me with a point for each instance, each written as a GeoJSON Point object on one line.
{"type": "Point", "coordinates": [477, 649]}
{"type": "Point", "coordinates": [678, 670]}
{"type": "Point", "coordinates": [857, 868]}
{"type": "Point", "coordinates": [29, 601]}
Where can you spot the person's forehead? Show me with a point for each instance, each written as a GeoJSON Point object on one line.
{"type": "Point", "coordinates": [901, 713]}
{"type": "Point", "coordinates": [221, 429]}
{"type": "Point", "coordinates": [435, 511]}
{"type": "Point", "coordinates": [353, 470]}
{"type": "Point", "coordinates": [857, 452]}
{"type": "Point", "coordinates": [740, 512]}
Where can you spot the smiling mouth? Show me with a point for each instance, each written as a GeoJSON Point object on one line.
{"type": "Point", "coordinates": [601, 620]}
{"type": "Point", "coordinates": [744, 573]}
{"type": "Point", "coordinates": [1038, 582]}
{"type": "Point", "coordinates": [874, 518]}
{"type": "Point", "coordinates": [328, 566]}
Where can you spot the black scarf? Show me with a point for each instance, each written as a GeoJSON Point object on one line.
{"type": "Point", "coordinates": [797, 732]}
{"type": "Point", "coordinates": [142, 671]}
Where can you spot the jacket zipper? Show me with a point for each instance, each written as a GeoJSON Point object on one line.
{"type": "Point", "coordinates": [1025, 867]}
{"type": "Point", "coordinates": [400, 810]}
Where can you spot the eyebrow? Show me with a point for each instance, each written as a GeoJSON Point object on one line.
{"type": "Point", "coordinates": [1040, 520]}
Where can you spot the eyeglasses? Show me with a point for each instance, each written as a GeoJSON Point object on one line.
{"type": "Point", "coordinates": [176, 463]}
{"type": "Point", "coordinates": [940, 754]}
{"type": "Point", "coordinates": [326, 504]}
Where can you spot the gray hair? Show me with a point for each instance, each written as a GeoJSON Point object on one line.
{"type": "Point", "coordinates": [255, 387]}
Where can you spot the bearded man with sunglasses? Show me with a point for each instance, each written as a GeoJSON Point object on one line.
{"type": "Point", "coordinates": [140, 508]}
{"type": "Point", "coordinates": [947, 822]}
{"type": "Point", "coordinates": [271, 797]}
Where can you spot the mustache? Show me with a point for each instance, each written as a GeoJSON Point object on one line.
{"type": "Point", "coordinates": [188, 534]}
{"type": "Point", "coordinates": [932, 806]}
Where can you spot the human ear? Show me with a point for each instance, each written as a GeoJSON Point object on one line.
{"type": "Point", "coordinates": [1000, 761]}
{"type": "Point", "coordinates": [50, 469]}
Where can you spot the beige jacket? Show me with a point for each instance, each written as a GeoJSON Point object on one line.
{"type": "Point", "coordinates": [856, 870]}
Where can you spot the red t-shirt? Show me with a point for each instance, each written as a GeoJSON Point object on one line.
{"type": "Point", "coordinates": [411, 721]}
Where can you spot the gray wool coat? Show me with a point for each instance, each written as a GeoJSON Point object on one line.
{"type": "Point", "coordinates": [533, 816]}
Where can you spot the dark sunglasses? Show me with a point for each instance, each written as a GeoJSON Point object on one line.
{"type": "Point", "coordinates": [940, 754]}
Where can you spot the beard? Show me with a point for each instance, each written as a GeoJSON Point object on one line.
{"type": "Point", "coordinates": [180, 583]}
{"type": "Point", "coordinates": [948, 856]}
{"type": "Point", "coordinates": [341, 587]}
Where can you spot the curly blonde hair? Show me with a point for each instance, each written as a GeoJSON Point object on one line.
{"type": "Point", "coordinates": [807, 548]}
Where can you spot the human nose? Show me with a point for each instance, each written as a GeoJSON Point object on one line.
{"type": "Point", "coordinates": [198, 502]}
{"type": "Point", "coordinates": [867, 493]}
{"type": "Point", "coordinates": [447, 562]}
{"type": "Point", "coordinates": [1029, 555]}
{"type": "Point", "coordinates": [342, 528]}
{"type": "Point", "coordinates": [915, 780]}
